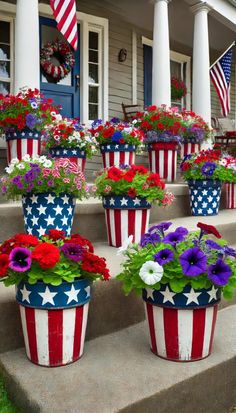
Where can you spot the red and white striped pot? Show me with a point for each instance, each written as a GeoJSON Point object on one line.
{"type": "Point", "coordinates": [54, 320]}
{"type": "Point", "coordinates": [181, 325]}
{"type": "Point", "coordinates": [230, 195]}
{"type": "Point", "coordinates": [189, 147]}
{"type": "Point", "coordinates": [125, 216]}
{"type": "Point", "coordinates": [163, 159]}
{"type": "Point", "coordinates": [21, 143]}
{"type": "Point", "coordinates": [76, 156]}
{"type": "Point", "coordinates": [115, 154]}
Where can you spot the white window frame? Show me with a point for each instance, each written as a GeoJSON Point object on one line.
{"type": "Point", "coordinates": [179, 58]}
{"type": "Point", "coordinates": [2, 79]}
{"type": "Point", "coordinates": [99, 31]}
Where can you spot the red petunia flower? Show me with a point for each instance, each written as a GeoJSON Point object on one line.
{"type": "Point", "coordinates": [47, 255]}
{"type": "Point", "coordinates": [209, 229]}
{"type": "Point", "coordinates": [115, 174]}
{"type": "Point", "coordinates": [26, 240]}
{"type": "Point", "coordinates": [55, 234]}
{"type": "Point", "coordinates": [96, 265]}
{"type": "Point", "coordinates": [4, 261]}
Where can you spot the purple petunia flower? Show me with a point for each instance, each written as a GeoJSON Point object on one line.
{"type": "Point", "coordinates": [163, 226]}
{"type": "Point", "coordinates": [219, 272]}
{"type": "Point", "coordinates": [4, 189]}
{"type": "Point", "coordinates": [164, 256]}
{"type": "Point", "coordinates": [31, 120]}
{"type": "Point", "coordinates": [182, 230]}
{"type": "Point", "coordinates": [50, 183]}
{"type": "Point", "coordinates": [230, 251]}
{"type": "Point", "coordinates": [149, 239]}
{"type": "Point", "coordinates": [208, 168]}
{"type": "Point", "coordinates": [115, 120]}
{"type": "Point", "coordinates": [173, 238]}
{"type": "Point", "coordinates": [117, 136]}
{"type": "Point", "coordinates": [16, 179]}
{"type": "Point", "coordinates": [40, 182]}
{"type": "Point", "coordinates": [213, 245]}
{"type": "Point", "coordinates": [193, 262]}
{"type": "Point", "coordinates": [20, 259]}
{"type": "Point", "coordinates": [72, 251]}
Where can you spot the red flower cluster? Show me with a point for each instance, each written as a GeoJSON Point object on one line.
{"type": "Point", "coordinates": [209, 229]}
{"type": "Point", "coordinates": [47, 255]}
{"type": "Point", "coordinates": [116, 174]}
{"type": "Point", "coordinates": [208, 155]}
{"type": "Point", "coordinates": [4, 262]}
{"type": "Point", "coordinates": [178, 88]}
{"type": "Point", "coordinates": [116, 131]}
{"type": "Point", "coordinates": [94, 264]}
{"type": "Point", "coordinates": [161, 120]}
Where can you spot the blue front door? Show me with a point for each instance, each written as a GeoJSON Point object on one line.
{"type": "Point", "coordinates": [66, 92]}
{"type": "Point", "coordinates": [147, 54]}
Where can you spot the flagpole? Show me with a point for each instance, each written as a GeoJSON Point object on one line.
{"type": "Point", "coordinates": [233, 44]}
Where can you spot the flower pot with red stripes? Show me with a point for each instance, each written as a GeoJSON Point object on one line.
{"type": "Point", "coordinates": [230, 195]}
{"type": "Point", "coordinates": [189, 146]}
{"type": "Point", "coordinates": [46, 211]}
{"type": "Point", "coordinates": [54, 320]}
{"type": "Point", "coordinates": [126, 216]}
{"type": "Point", "coordinates": [181, 325]}
{"type": "Point", "coordinates": [117, 154]}
{"type": "Point", "coordinates": [205, 196]}
{"type": "Point", "coordinates": [21, 143]}
{"type": "Point", "coordinates": [163, 159]}
{"type": "Point", "coordinates": [74, 155]}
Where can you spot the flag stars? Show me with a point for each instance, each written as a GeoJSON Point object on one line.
{"type": "Point", "coordinates": [192, 296]}
{"type": "Point", "coordinates": [25, 294]}
{"type": "Point", "coordinates": [48, 296]}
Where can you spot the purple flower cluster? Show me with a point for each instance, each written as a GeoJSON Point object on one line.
{"type": "Point", "coordinates": [72, 251]}
{"type": "Point", "coordinates": [208, 168]}
{"type": "Point", "coordinates": [154, 136]}
{"type": "Point", "coordinates": [31, 120]}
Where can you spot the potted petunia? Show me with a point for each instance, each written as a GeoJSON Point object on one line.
{"type": "Point", "coordinates": [127, 195]}
{"type": "Point", "coordinates": [53, 278]}
{"type": "Point", "coordinates": [118, 141]}
{"type": "Point", "coordinates": [48, 188]}
{"type": "Point", "coordinates": [181, 276]}
{"type": "Point", "coordinates": [229, 163]}
{"type": "Point", "coordinates": [22, 120]}
{"type": "Point", "coordinates": [178, 89]}
{"type": "Point", "coordinates": [205, 173]}
{"type": "Point", "coordinates": [162, 130]}
{"type": "Point", "coordinates": [194, 131]}
{"type": "Point", "coordinates": [67, 138]}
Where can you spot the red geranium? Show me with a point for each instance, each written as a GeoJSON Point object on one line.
{"type": "Point", "coordinates": [47, 255]}
{"type": "Point", "coordinates": [94, 264]}
{"type": "Point", "coordinates": [115, 174]}
{"type": "Point", "coordinates": [209, 229]}
{"type": "Point", "coordinates": [132, 192]}
{"type": "Point", "coordinates": [4, 261]}
{"type": "Point", "coordinates": [26, 240]}
{"type": "Point", "coordinates": [55, 234]}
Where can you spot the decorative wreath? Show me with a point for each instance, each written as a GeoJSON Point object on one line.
{"type": "Point", "coordinates": [63, 53]}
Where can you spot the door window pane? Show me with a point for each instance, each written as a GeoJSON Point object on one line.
{"type": "Point", "coordinates": [5, 57]}
{"type": "Point", "coordinates": [93, 94]}
{"type": "Point", "coordinates": [4, 88]}
{"type": "Point", "coordinates": [4, 69]}
{"type": "Point", "coordinates": [93, 56]}
{"type": "Point", "coordinates": [4, 51]}
{"type": "Point", "coordinates": [93, 111]}
{"type": "Point", "coordinates": [93, 73]}
{"type": "Point", "coordinates": [93, 40]}
{"type": "Point", "coordinates": [4, 32]}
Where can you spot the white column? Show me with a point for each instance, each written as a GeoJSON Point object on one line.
{"type": "Point", "coordinates": [27, 66]}
{"type": "Point", "coordinates": [201, 102]}
{"type": "Point", "coordinates": [161, 55]}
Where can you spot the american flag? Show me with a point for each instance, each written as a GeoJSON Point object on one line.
{"type": "Point", "coordinates": [220, 74]}
{"type": "Point", "coordinates": [64, 12]}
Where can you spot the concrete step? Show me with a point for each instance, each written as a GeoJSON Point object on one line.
{"type": "Point", "coordinates": [118, 373]}
{"type": "Point", "coordinates": [89, 218]}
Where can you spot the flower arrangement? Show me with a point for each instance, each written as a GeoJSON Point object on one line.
{"type": "Point", "coordinates": [39, 174]}
{"type": "Point", "coordinates": [116, 132]}
{"type": "Point", "coordinates": [207, 164]}
{"type": "Point", "coordinates": [194, 128]}
{"type": "Point", "coordinates": [178, 89]}
{"type": "Point", "coordinates": [29, 109]}
{"type": "Point", "coordinates": [52, 259]}
{"type": "Point", "coordinates": [69, 133]}
{"type": "Point", "coordinates": [133, 181]}
{"type": "Point", "coordinates": [180, 258]}
{"type": "Point", "coordinates": [160, 124]}
{"type": "Point", "coordinates": [229, 163]}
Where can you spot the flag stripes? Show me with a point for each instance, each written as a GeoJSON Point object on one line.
{"type": "Point", "coordinates": [188, 147]}
{"type": "Point", "coordinates": [230, 195]}
{"type": "Point", "coordinates": [17, 148]}
{"type": "Point", "coordinates": [182, 335]}
{"type": "Point", "coordinates": [64, 12]}
{"type": "Point", "coordinates": [117, 158]}
{"type": "Point", "coordinates": [54, 337]}
{"type": "Point", "coordinates": [121, 223]}
{"type": "Point", "coordinates": [163, 162]}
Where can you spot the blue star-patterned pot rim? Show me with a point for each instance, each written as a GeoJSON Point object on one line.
{"type": "Point", "coordinates": [117, 147]}
{"type": "Point", "coordinates": [210, 183]}
{"type": "Point", "coordinates": [47, 296]}
{"type": "Point", "coordinates": [23, 134]}
{"type": "Point", "coordinates": [125, 202]}
{"type": "Point", "coordinates": [188, 298]}
{"type": "Point", "coordinates": [67, 152]}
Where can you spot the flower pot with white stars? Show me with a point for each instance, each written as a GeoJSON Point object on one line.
{"type": "Point", "coordinates": [54, 320]}
{"type": "Point", "coordinates": [126, 216]}
{"type": "Point", "coordinates": [21, 143]}
{"type": "Point", "coordinates": [181, 325]}
{"type": "Point", "coordinates": [115, 154]}
{"type": "Point", "coordinates": [46, 211]}
{"type": "Point", "coordinates": [205, 196]}
{"type": "Point", "coordinates": [73, 154]}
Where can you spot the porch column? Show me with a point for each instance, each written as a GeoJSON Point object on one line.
{"type": "Point", "coordinates": [161, 55]}
{"type": "Point", "coordinates": [27, 67]}
{"type": "Point", "coordinates": [201, 101]}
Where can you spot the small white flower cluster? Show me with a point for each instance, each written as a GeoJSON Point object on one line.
{"type": "Point", "coordinates": [151, 272]}
{"type": "Point", "coordinates": [15, 163]}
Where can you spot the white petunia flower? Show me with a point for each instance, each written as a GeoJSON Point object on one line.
{"type": "Point", "coordinates": [26, 158]}
{"type": "Point", "coordinates": [20, 166]}
{"type": "Point", "coordinates": [151, 272]}
{"type": "Point", "coordinates": [42, 159]}
{"type": "Point", "coordinates": [9, 169]}
{"type": "Point", "coordinates": [14, 161]}
{"type": "Point", "coordinates": [125, 245]}
{"type": "Point", "coordinates": [47, 163]}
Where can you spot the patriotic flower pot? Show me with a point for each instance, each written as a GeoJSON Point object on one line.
{"type": "Point", "coordinates": [181, 325]}
{"type": "Point", "coordinates": [163, 159]}
{"type": "Point", "coordinates": [205, 197]}
{"type": "Point", "coordinates": [117, 154]}
{"type": "Point", "coordinates": [54, 320]}
{"type": "Point", "coordinates": [230, 195]}
{"type": "Point", "coordinates": [126, 216]}
{"type": "Point", "coordinates": [46, 211]}
{"type": "Point", "coordinates": [21, 143]}
{"type": "Point", "coordinates": [74, 155]}
{"type": "Point", "coordinates": [189, 147]}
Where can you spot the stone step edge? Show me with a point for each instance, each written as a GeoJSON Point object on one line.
{"type": "Point", "coordinates": [121, 363]}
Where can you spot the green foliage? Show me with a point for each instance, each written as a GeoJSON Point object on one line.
{"type": "Point", "coordinates": [5, 404]}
